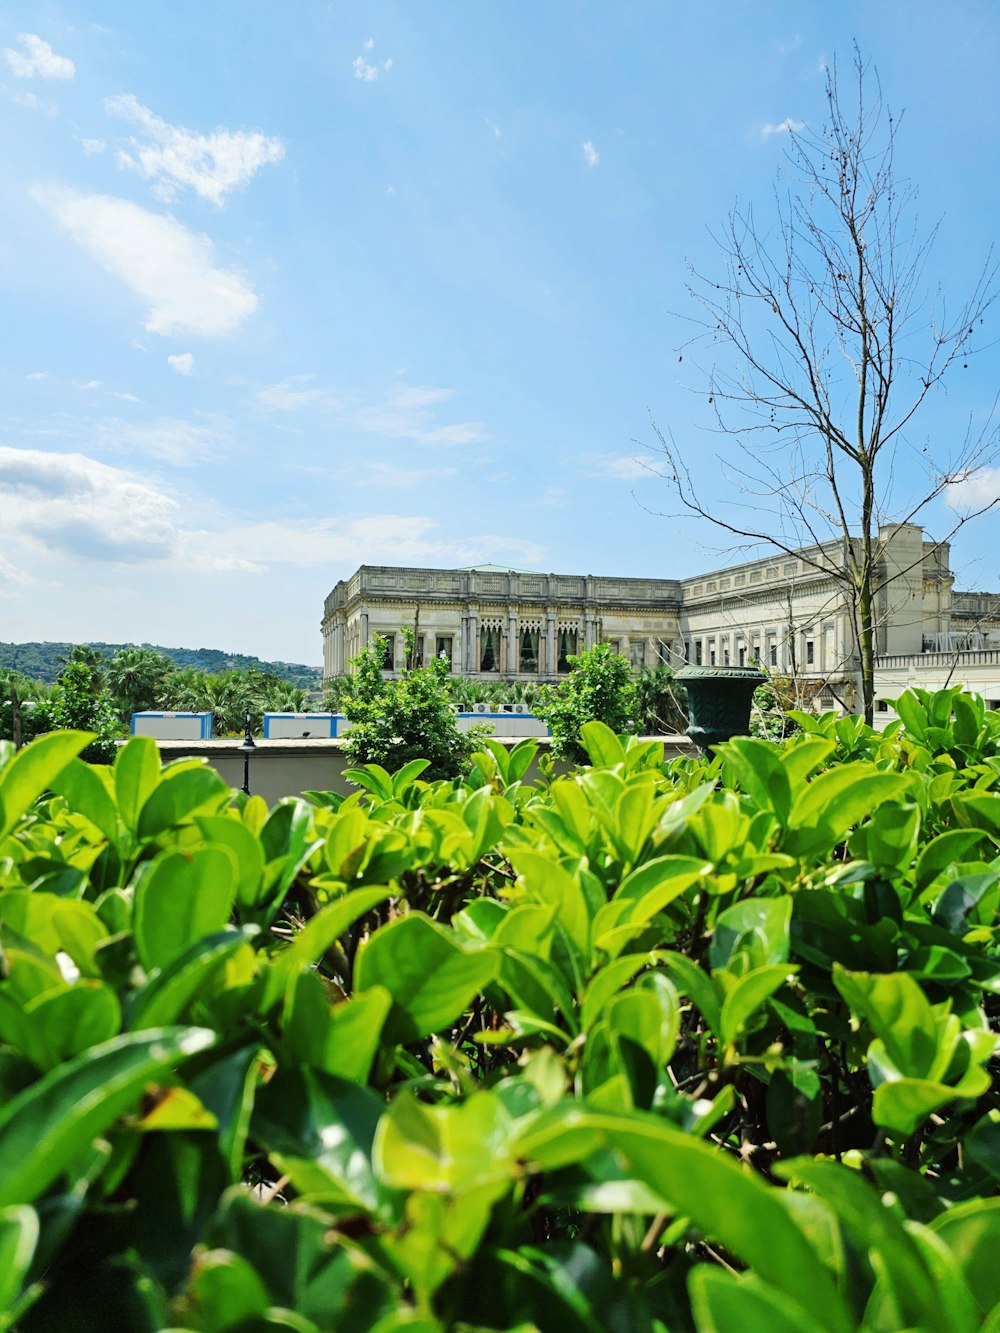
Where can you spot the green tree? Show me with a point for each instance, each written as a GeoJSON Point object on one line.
{"type": "Point", "coordinates": [78, 706]}
{"type": "Point", "coordinates": [601, 688]}
{"type": "Point", "coordinates": [135, 679]}
{"type": "Point", "coordinates": [394, 721]}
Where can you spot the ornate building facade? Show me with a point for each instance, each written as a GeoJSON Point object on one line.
{"type": "Point", "coordinates": [786, 612]}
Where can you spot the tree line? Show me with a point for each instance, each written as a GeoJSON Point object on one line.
{"type": "Point", "coordinates": [44, 661]}
{"type": "Point", "coordinates": [93, 692]}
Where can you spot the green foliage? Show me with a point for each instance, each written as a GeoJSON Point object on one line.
{"type": "Point", "coordinates": [661, 701]}
{"type": "Point", "coordinates": [599, 688]}
{"type": "Point", "coordinates": [79, 703]}
{"type": "Point", "coordinates": [396, 721]}
{"type": "Point", "coordinates": [43, 661]}
{"type": "Point", "coordinates": [688, 1045]}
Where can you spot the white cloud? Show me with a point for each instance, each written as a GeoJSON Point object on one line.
{"type": "Point", "coordinates": [387, 475]}
{"type": "Point", "coordinates": [975, 489]}
{"type": "Point", "coordinates": [407, 415]}
{"type": "Point", "coordinates": [169, 439]}
{"type": "Point", "coordinates": [294, 395]}
{"type": "Point", "coordinates": [213, 165]}
{"type": "Point", "coordinates": [421, 395]}
{"type": "Point", "coordinates": [75, 506]}
{"type": "Point", "coordinates": [33, 103]}
{"type": "Point", "coordinates": [183, 363]}
{"type": "Point", "coordinates": [622, 468]}
{"type": "Point", "coordinates": [591, 155]}
{"type": "Point", "coordinates": [381, 538]}
{"type": "Point", "coordinates": [37, 60]}
{"type": "Point", "coordinates": [786, 126]}
{"type": "Point", "coordinates": [460, 432]}
{"type": "Point", "coordinates": [11, 576]}
{"type": "Point", "coordinates": [92, 146]}
{"type": "Point", "coordinates": [494, 128]}
{"type": "Point", "coordinates": [168, 267]}
{"type": "Point", "coordinates": [365, 69]}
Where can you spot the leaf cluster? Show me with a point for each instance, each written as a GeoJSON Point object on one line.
{"type": "Point", "coordinates": [698, 1044]}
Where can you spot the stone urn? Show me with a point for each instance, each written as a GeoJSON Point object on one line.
{"type": "Point", "coordinates": [718, 701]}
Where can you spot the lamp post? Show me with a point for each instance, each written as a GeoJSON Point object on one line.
{"type": "Point", "coordinates": [246, 749]}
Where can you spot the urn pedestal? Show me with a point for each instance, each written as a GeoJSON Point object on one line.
{"type": "Point", "coordinates": [718, 701]}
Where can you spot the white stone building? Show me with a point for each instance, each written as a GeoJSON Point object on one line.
{"type": "Point", "coordinates": [787, 613]}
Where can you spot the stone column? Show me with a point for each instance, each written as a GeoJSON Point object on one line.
{"type": "Point", "coordinates": [513, 648]}
{"type": "Point", "coordinates": [550, 642]}
{"type": "Point", "coordinates": [364, 629]}
{"type": "Point", "coordinates": [473, 640]}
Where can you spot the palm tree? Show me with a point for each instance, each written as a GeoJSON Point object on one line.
{"type": "Point", "coordinates": [135, 678]}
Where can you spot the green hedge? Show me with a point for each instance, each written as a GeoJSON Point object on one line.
{"type": "Point", "coordinates": [651, 1046]}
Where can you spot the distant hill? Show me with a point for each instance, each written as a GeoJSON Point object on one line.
{"type": "Point", "coordinates": [43, 661]}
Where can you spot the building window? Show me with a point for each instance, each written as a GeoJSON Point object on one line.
{"type": "Point", "coordinates": [773, 651]}
{"type": "Point", "coordinates": [725, 654]}
{"type": "Point", "coordinates": [389, 656]}
{"type": "Point", "coordinates": [489, 649]}
{"type": "Point", "coordinates": [567, 648]}
{"type": "Point", "coordinates": [711, 655]}
{"type": "Point", "coordinates": [687, 650]}
{"type": "Point", "coordinates": [637, 655]}
{"type": "Point", "coordinates": [810, 652]}
{"type": "Point", "coordinates": [743, 654]}
{"type": "Point", "coordinates": [698, 652]}
{"type": "Point", "coordinates": [528, 657]}
{"type": "Point", "coordinates": [882, 705]}
{"type": "Point", "coordinates": [442, 648]}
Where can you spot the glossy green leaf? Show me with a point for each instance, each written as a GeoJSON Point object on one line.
{"type": "Point", "coordinates": [747, 996]}
{"type": "Point", "coordinates": [373, 778]}
{"type": "Point", "coordinates": [834, 802]}
{"type": "Point", "coordinates": [608, 981]}
{"type": "Point", "coordinates": [449, 1149]}
{"type": "Point", "coordinates": [431, 977]}
{"type": "Point", "coordinates": [18, 1238]}
{"type": "Point", "coordinates": [546, 881]}
{"type": "Point", "coordinates": [905, 1103]}
{"type": "Point", "coordinates": [182, 793]}
{"type": "Point", "coordinates": [971, 1231]}
{"type": "Point", "coordinates": [898, 1012]}
{"type": "Point", "coordinates": [863, 1212]}
{"type": "Point", "coordinates": [224, 831]}
{"type": "Point", "coordinates": [180, 898]}
{"type": "Point", "coordinates": [136, 773]}
{"type": "Point", "coordinates": [88, 789]}
{"type": "Point", "coordinates": [601, 744]}
{"type": "Point", "coordinates": [319, 1129]}
{"type": "Point", "coordinates": [750, 1218]}
{"type": "Point", "coordinates": [318, 935]}
{"type": "Point", "coordinates": [66, 1022]}
{"type": "Point", "coordinates": [760, 926]}
{"type": "Point", "coordinates": [164, 998]}
{"type": "Point", "coordinates": [723, 1301]}
{"type": "Point", "coordinates": [54, 924]}
{"type": "Point", "coordinates": [33, 769]}
{"type": "Point", "coordinates": [227, 1290]}
{"type": "Point", "coordinates": [759, 768]}
{"type": "Point", "coordinates": [47, 1126]}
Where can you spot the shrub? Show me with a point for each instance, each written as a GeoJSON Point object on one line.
{"type": "Point", "coordinates": [698, 1045]}
{"type": "Point", "coordinates": [600, 688]}
{"type": "Point", "coordinates": [396, 721]}
{"type": "Point", "coordinates": [79, 703]}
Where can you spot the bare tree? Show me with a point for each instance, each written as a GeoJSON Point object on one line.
{"type": "Point", "coordinates": [825, 343]}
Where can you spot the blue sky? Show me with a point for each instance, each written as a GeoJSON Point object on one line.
{"type": "Point", "coordinates": [288, 288]}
